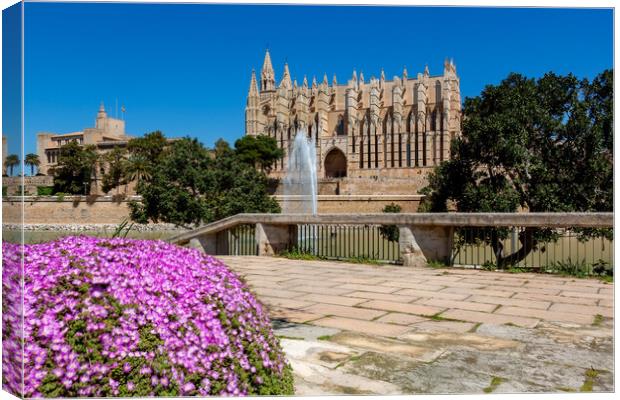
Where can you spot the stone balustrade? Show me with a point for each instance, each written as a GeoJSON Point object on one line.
{"type": "Point", "coordinates": [422, 236]}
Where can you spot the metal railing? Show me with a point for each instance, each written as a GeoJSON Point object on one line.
{"type": "Point", "coordinates": [472, 247]}
{"type": "Point", "coordinates": [346, 242]}
{"type": "Point", "coordinates": [242, 240]}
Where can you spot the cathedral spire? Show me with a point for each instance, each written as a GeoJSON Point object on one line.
{"type": "Point", "coordinates": [267, 66]}
{"type": "Point", "coordinates": [325, 82]}
{"type": "Point", "coordinates": [404, 73]}
{"type": "Point", "coordinates": [305, 82]}
{"type": "Point", "coordinates": [334, 81]}
{"type": "Point", "coordinates": [286, 77]}
{"type": "Point", "coordinates": [253, 85]}
{"type": "Point", "coordinates": [267, 75]}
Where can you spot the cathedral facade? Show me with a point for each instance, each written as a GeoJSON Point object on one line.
{"type": "Point", "coordinates": [377, 129]}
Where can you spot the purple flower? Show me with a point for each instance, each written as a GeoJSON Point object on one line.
{"type": "Point", "coordinates": [141, 299]}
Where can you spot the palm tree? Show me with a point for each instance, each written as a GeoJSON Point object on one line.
{"type": "Point", "coordinates": [11, 162]}
{"type": "Point", "coordinates": [32, 160]}
{"type": "Point", "coordinates": [138, 168]}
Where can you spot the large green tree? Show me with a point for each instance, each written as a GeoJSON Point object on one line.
{"type": "Point", "coordinates": [189, 185]}
{"type": "Point", "coordinates": [259, 151]}
{"type": "Point", "coordinates": [115, 176]}
{"type": "Point", "coordinates": [76, 168]}
{"type": "Point", "coordinates": [530, 144]}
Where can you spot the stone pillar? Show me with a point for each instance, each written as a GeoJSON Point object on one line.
{"type": "Point", "coordinates": [273, 239]}
{"type": "Point", "coordinates": [410, 251]}
{"type": "Point", "coordinates": [213, 244]}
{"type": "Point", "coordinates": [418, 244]}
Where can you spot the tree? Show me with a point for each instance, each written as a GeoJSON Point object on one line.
{"type": "Point", "coordinates": [190, 186]}
{"type": "Point", "coordinates": [532, 145]}
{"type": "Point", "coordinates": [116, 172]}
{"type": "Point", "coordinates": [32, 160]}
{"type": "Point", "coordinates": [138, 168]}
{"type": "Point", "coordinates": [150, 146]}
{"type": "Point", "coordinates": [11, 161]}
{"type": "Point", "coordinates": [259, 151]}
{"type": "Point", "coordinates": [232, 187]}
{"type": "Point", "coordinates": [75, 169]}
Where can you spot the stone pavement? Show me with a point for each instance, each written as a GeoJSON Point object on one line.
{"type": "Point", "coordinates": [353, 328]}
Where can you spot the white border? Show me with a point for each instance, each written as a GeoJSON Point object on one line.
{"type": "Point", "coordinates": [484, 3]}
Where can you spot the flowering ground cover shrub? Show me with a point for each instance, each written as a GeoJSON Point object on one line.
{"type": "Point", "coordinates": [120, 317]}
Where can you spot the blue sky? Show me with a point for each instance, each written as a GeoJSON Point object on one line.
{"type": "Point", "coordinates": [185, 69]}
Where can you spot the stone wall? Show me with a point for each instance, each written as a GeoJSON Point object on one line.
{"type": "Point", "coordinates": [30, 183]}
{"type": "Point", "coordinates": [67, 210]}
{"type": "Point", "coordinates": [351, 204]}
{"type": "Point", "coordinates": [107, 210]}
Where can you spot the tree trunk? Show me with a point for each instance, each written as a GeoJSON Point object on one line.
{"type": "Point", "coordinates": [528, 243]}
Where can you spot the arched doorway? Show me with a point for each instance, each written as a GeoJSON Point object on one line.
{"type": "Point", "coordinates": [335, 164]}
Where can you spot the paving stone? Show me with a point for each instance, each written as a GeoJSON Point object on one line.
{"type": "Point", "coordinates": [524, 289]}
{"type": "Point", "coordinates": [401, 319]}
{"type": "Point", "coordinates": [443, 326]}
{"type": "Point", "coordinates": [286, 314]}
{"type": "Point", "coordinates": [427, 294]}
{"type": "Point", "coordinates": [284, 303]}
{"type": "Point", "coordinates": [583, 289]}
{"type": "Point", "coordinates": [320, 290]}
{"type": "Point", "coordinates": [413, 285]}
{"type": "Point", "coordinates": [446, 339]}
{"type": "Point", "coordinates": [463, 305]}
{"type": "Point", "coordinates": [383, 296]}
{"type": "Point", "coordinates": [487, 318]}
{"type": "Point", "coordinates": [343, 311]}
{"type": "Point", "coordinates": [586, 310]}
{"type": "Point", "coordinates": [402, 307]}
{"type": "Point", "coordinates": [546, 315]}
{"type": "Point", "coordinates": [541, 305]}
{"type": "Point", "coordinates": [269, 292]}
{"type": "Point", "coordinates": [305, 331]}
{"type": "Point", "coordinates": [606, 303]}
{"type": "Point", "coordinates": [368, 288]}
{"type": "Point", "coordinates": [339, 300]}
{"type": "Point", "coordinates": [567, 293]}
{"type": "Point", "coordinates": [482, 292]}
{"type": "Point", "coordinates": [385, 345]}
{"type": "Point", "coordinates": [455, 284]}
{"type": "Point", "coordinates": [496, 281]}
{"type": "Point", "coordinates": [554, 299]}
{"type": "Point", "coordinates": [368, 327]}
{"type": "Point", "coordinates": [363, 281]}
{"type": "Point", "coordinates": [313, 282]}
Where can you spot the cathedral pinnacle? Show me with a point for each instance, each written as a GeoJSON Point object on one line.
{"type": "Point", "coordinates": [325, 82]}
{"type": "Point", "coordinates": [253, 85]}
{"type": "Point", "coordinates": [404, 73]}
{"type": "Point", "coordinates": [267, 63]}
{"type": "Point", "coordinates": [286, 77]}
{"type": "Point", "coordinates": [267, 75]}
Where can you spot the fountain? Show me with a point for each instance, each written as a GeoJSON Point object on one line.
{"type": "Point", "coordinates": [300, 188]}
{"type": "Point", "coordinates": [300, 183]}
